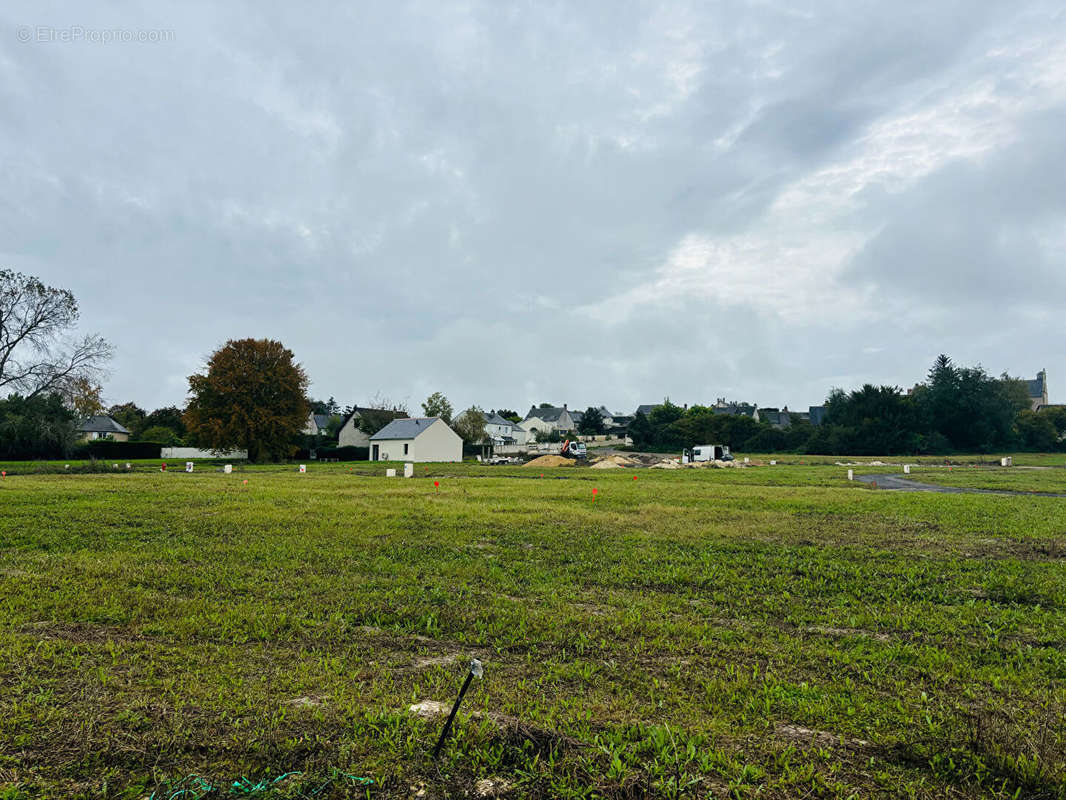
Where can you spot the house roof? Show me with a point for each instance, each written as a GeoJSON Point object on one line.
{"type": "Point", "coordinates": [1036, 386]}
{"type": "Point", "coordinates": [361, 410]}
{"type": "Point", "coordinates": [101, 423]}
{"type": "Point", "coordinates": [496, 419]}
{"type": "Point", "coordinates": [549, 414]}
{"type": "Point", "coordinates": [406, 428]}
{"type": "Point", "coordinates": [321, 421]}
{"type": "Point", "coordinates": [646, 409]}
{"type": "Point", "coordinates": [746, 409]}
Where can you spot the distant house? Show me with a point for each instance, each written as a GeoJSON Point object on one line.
{"type": "Point", "coordinates": [732, 408]}
{"type": "Point", "coordinates": [817, 414]}
{"type": "Point", "coordinates": [102, 427]}
{"type": "Point", "coordinates": [607, 416]}
{"type": "Point", "coordinates": [316, 424]}
{"type": "Point", "coordinates": [416, 439]}
{"type": "Point", "coordinates": [502, 431]}
{"type": "Point", "coordinates": [351, 435]}
{"type": "Point", "coordinates": [548, 419]}
{"type": "Point", "coordinates": [778, 418]}
{"type": "Point", "coordinates": [646, 409]}
{"type": "Point", "coordinates": [1038, 390]}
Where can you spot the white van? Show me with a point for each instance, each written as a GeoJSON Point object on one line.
{"type": "Point", "coordinates": [711, 452]}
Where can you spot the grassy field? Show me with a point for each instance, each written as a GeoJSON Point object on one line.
{"type": "Point", "coordinates": [769, 632]}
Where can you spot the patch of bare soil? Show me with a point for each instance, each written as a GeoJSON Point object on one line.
{"type": "Point", "coordinates": [814, 738]}
{"type": "Point", "coordinates": [848, 632]}
{"type": "Point", "coordinates": [550, 461]}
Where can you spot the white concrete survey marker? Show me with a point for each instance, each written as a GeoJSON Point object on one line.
{"type": "Point", "coordinates": [390, 473]}
{"type": "Point", "coordinates": [851, 475]}
{"type": "Point", "coordinates": [747, 460]}
{"type": "Point", "coordinates": [906, 469]}
{"type": "Point", "coordinates": [303, 468]}
{"type": "Point", "coordinates": [773, 463]}
{"type": "Point", "coordinates": [228, 469]}
{"type": "Point", "coordinates": [408, 470]}
{"type": "Point", "coordinates": [188, 466]}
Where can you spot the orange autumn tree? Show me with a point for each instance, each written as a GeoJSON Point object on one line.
{"type": "Point", "coordinates": [253, 397]}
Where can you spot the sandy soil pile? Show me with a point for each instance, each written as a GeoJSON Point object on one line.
{"type": "Point", "coordinates": [613, 461]}
{"type": "Point", "coordinates": [550, 461]}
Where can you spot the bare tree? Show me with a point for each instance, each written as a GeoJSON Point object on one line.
{"type": "Point", "coordinates": [37, 353]}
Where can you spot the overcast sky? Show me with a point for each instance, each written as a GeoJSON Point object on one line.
{"type": "Point", "coordinates": [584, 202]}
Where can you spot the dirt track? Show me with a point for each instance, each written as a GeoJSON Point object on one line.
{"type": "Point", "coordinates": [900, 484]}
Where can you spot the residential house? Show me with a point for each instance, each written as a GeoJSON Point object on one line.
{"type": "Point", "coordinates": [1038, 390]}
{"type": "Point", "coordinates": [778, 418]}
{"type": "Point", "coordinates": [723, 406]}
{"type": "Point", "coordinates": [316, 424]}
{"type": "Point", "coordinates": [416, 439]}
{"type": "Point", "coordinates": [817, 415]}
{"type": "Point", "coordinates": [608, 417]}
{"type": "Point", "coordinates": [548, 419]}
{"type": "Point", "coordinates": [351, 435]}
{"type": "Point", "coordinates": [502, 431]}
{"type": "Point", "coordinates": [102, 427]}
{"type": "Point", "coordinates": [646, 409]}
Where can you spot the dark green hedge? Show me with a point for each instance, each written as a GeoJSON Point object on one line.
{"type": "Point", "coordinates": [339, 453]}
{"type": "Point", "coordinates": [106, 449]}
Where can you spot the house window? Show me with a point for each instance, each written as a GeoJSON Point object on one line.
{"type": "Point", "coordinates": [405, 449]}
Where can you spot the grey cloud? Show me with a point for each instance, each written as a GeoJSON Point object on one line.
{"type": "Point", "coordinates": [417, 196]}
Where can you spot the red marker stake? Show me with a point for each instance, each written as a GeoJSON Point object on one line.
{"type": "Point", "coordinates": [594, 491]}
{"type": "Point", "coordinates": [634, 477]}
{"type": "Point", "coordinates": [436, 485]}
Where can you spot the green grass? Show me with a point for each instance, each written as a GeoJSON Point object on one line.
{"type": "Point", "coordinates": [1016, 479]}
{"type": "Point", "coordinates": [770, 632]}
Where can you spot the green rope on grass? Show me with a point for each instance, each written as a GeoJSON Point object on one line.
{"type": "Point", "coordinates": [193, 787]}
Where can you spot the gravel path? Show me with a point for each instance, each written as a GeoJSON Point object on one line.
{"type": "Point", "coordinates": [900, 484]}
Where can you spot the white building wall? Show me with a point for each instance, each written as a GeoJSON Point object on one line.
{"type": "Point", "coordinates": [438, 442]}
{"type": "Point", "coordinates": [194, 452]}
{"type": "Point", "coordinates": [351, 436]}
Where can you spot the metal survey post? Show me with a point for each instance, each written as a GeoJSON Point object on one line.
{"type": "Point", "coordinates": [476, 671]}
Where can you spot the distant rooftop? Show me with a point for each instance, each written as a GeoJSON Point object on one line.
{"type": "Point", "coordinates": [101, 423]}
{"type": "Point", "coordinates": [406, 428]}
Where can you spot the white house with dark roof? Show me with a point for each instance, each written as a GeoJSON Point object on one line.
{"type": "Point", "coordinates": [502, 431]}
{"type": "Point", "coordinates": [102, 427]}
{"type": "Point", "coordinates": [316, 424]}
{"type": "Point", "coordinates": [351, 435]}
{"type": "Point", "coordinates": [548, 419]}
{"type": "Point", "coordinates": [416, 439]}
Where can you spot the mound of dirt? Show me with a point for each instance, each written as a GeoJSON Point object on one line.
{"type": "Point", "coordinates": [606, 464]}
{"type": "Point", "coordinates": [616, 459]}
{"type": "Point", "coordinates": [668, 463]}
{"type": "Point", "coordinates": [550, 461]}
